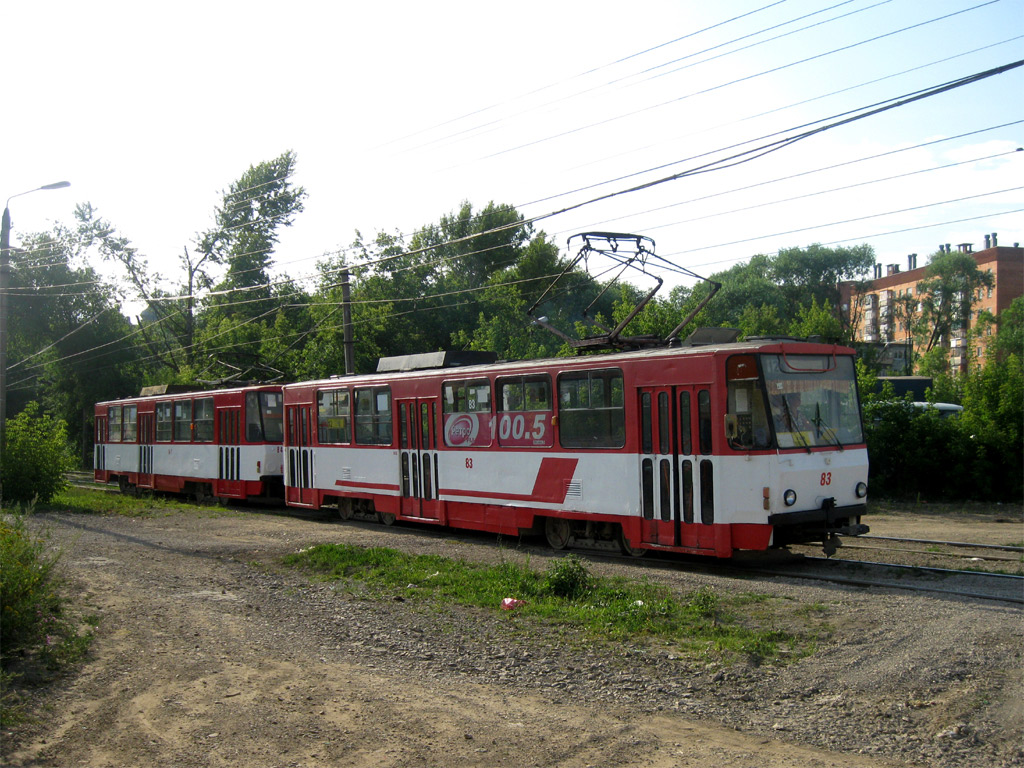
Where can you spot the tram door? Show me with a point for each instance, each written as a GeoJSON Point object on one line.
{"type": "Point", "coordinates": [695, 467]}
{"type": "Point", "coordinates": [659, 492]}
{"type": "Point", "coordinates": [299, 469]}
{"type": "Point", "coordinates": [417, 440]}
{"type": "Point", "coordinates": [229, 452]}
{"type": "Point", "coordinates": [146, 438]}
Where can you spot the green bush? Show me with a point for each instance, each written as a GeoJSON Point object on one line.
{"type": "Point", "coordinates": [568, 577]}
{"type": "Point", "coordinates": [978, 455]}
{"type": "Point", "coordinates": [36, 459]}
{"type": "Point", "coordinates": [39, 639]}
{"type": "Point", "coordinates": [30, 606]}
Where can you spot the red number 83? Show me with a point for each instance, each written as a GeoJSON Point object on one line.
{"type": "Point", "coordinates": [826, 478]}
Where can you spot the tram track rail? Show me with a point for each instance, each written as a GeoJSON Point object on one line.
{"type": "Point", "coordinates": [936, 542]}
{"type": "Point", "coordinates": [1012, 585]}
{"type": "Point", "coordinates": [928, 553]}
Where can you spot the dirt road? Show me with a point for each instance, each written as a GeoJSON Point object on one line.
{"type": "Point", "coordinates": [209, 654]}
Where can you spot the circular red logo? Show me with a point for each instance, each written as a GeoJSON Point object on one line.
{"type": "Point", "coordinates": [461, 430]}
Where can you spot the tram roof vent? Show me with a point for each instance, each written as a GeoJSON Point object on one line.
{"type": "Point", "coordinates": [702, 337]}
{"type": "Point", "coordinates": [782, 338]}
{"type": "Point", "coordinates": [428, 360]}
{"type": "Point", "coordinates": [166, 389]}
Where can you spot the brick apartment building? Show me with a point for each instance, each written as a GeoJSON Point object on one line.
{"type": "Point", "coordinates": [878, 313]}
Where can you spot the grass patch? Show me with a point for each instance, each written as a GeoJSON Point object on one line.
{"type": "Point", "coordinates": [941, 508]}
{"type": "Point", "coordinates": [567, 595]}
{"type": "Point", "coordinates": [40, 636]}
{"type": "Point", "coordinates": [89, 502]}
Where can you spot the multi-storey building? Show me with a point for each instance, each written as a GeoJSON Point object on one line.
{"type": "Point", "coordinates": [883, 311]}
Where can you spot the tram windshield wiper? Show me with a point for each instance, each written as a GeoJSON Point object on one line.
{"type": "Point", "coordinates": [823, 429]}
{"type": "Point", "coordinates": [798, 435]}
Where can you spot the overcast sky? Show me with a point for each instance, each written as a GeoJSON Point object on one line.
{"type": "Point", "coordinates": [399, 111]}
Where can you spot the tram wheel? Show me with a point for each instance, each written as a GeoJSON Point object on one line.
{"type": "Point", "coordinates": [126, 488]}
{"type": "Point", "coordinates": [557, 532]}
{"type": "Point", "coordinates": [629, 549]}
{"type": "Point", "coordinates": [387, 518]}
{"type": "Point", "coordinates": [345, 509]}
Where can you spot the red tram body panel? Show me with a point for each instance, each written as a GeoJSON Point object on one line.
{"type": "Point", "coordinates": [223, 443]}
{"type": "Point", "coordinates": [705, 450]}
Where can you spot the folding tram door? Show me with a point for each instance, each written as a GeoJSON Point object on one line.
{"type": "Point", "coordinates": [659, 494]}
{"type": "Point", "coordinates": [229, 452]}
{"type": "Point", "coordinates": [299, 471]}
{"type": "Point", "coordinates": [417, 442]}
{"type": "Point", "coordinates": [676, 477]}
{"type": "Point", "coordinates": [147, 436]}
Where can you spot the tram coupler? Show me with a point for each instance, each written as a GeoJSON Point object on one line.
{"type": "Point", "coordinates": [831, 545]}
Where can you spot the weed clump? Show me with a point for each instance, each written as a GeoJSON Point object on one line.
{"type": "Point", "coordinates": [37, 636]}
{"type": "Point", "coordinates": [568, 577]}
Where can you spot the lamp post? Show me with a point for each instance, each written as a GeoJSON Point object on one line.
{"type": "Point", "coordinates": [5, 273]}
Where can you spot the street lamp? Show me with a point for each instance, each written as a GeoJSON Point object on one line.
{"type": "Point", "coordinates": [5, 273]}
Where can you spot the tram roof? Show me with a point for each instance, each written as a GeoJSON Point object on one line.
{"type": "Point", "coordinates": [762, 345]}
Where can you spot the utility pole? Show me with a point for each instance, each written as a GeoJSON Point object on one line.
{"type": "Point", "coordinates": [346, 325]}
{"type": "Point", "coordinates": [5, 281]}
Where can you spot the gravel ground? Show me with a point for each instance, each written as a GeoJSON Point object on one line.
{"type": "Point", "coordinates": [210, 654]}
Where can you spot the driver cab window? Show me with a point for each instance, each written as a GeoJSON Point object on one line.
{"type": "Point", "coordinates": [746, 420]}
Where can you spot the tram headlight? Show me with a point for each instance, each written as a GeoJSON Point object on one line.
{"type": "Point", "coordinates": [789, 497]}
{"type": "Point", "coordinates": [862, 490]}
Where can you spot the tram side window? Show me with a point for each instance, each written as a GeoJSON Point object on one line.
{"type": "Point", "coordinates": [334, 412]}
{"type": "Point", "coordinates": [467, 413]}
{"type": "Point", "coordinates": [525, 410]}
{"type": "Point", "coordinates": [164, 423]}
{"type": "Point", "coordinates": [272, 414]}
{"type": "Point", "coordinates": [130, 423]}
{"type": "Point", "coordinates": [203, 418]}
{"type": "Point", "coordinates": [373, 416]}
{"type": "Point", "coordinates": [704, 420]}
{"type": "Point", "coordinates": [253, 422]}
{"type": "Point", "coordinates": [114, 420]}
{"type": "Point", "coordinates": [183, 421]}
{"type": "Point", "coordinates": [746, 419]}
{"type": "Point", "coordinates": [591, 409]}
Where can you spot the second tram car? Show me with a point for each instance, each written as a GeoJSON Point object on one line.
{"type": "Point", "coordinates": [225, 443]}
{"type": "Point", "coordinates": [703, 449]}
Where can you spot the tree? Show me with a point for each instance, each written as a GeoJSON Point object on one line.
{"type": "Point", "coordinates": [947, 295]}
{"type": "Point", "coordinates": [815, 272]}
{"type": "Point", "coordinates": [36, 458]}
{"type": "Point", "coordinates": [502, 325]}
{"type": "Point", "coordinates": [817, 320]}
{"type": "Point", "coordinates": [69, 344]}
{"type": "Point", "coordinates": [248, 221]}
{"type": "Point", "coordinates": [761, 321]}
{"type": "Point", "coordinates": [1009, 338]}
{"type": "Point", "coordinates": [766, 295]}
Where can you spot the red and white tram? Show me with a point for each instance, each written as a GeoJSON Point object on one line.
{"type": "Point", "coordinates": [224, 443]}
{"type": "Point", "coordinates": [703, 449]}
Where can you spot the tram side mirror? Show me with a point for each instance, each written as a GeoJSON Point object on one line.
{"type": "Point", "coordinates": [732, 427]}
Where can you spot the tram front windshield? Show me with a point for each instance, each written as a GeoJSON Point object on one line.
{"type": "Point", "coordinates": [797, 401]}
{"type": "Point", "coordinates": [813, 400]}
